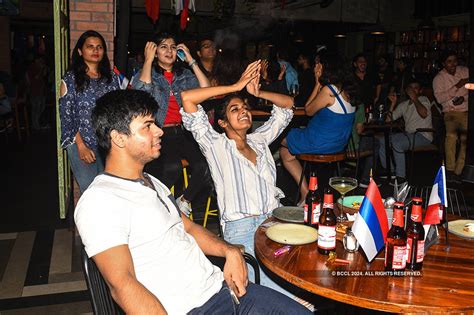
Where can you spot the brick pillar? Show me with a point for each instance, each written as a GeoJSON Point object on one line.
{"type": "Point", "coordinates": [5, 64]}
{"type": "Point", "coordinates": [97, 15]}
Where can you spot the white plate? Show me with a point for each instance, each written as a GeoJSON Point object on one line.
{"type": "Point", "coordinates": [456, 227]}
{"type": "Point", "coordinates": [289, 214]}
{"type": "Point", "coordinates": [292, 234]}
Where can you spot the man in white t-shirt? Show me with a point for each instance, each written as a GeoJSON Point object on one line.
{"type": "Point", "coordinates": [416, 112]}
{"type": "Point", "coordinates": [151, 255]}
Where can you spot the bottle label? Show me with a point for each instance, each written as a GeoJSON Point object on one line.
{"type": "Point", "coordinates": [306, 213]}
{"type": "Point", "coordinates": [313, 183]}
{"type": "Point", "coordinates": [415, 217]}
{"type": "Point", "coordinates": [328, 205]}
{"type": "Point", "coordinates": [399, 259]}
{"type": "Point", "coordinates": [420, 251]}
{"type": "Point", "coordinates": [327, 237]}
{"type": "Point", "coordinates": [315, 213]}
{"type": "Point", "coordinates": [409, 249]}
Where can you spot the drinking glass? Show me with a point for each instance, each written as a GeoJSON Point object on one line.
{"type": "Point", "coordinates": [343, 185]}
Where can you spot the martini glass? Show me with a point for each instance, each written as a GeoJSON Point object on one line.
{"type": "Point", "coordinates": [343, 185]}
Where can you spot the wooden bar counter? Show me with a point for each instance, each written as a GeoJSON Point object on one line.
{"type": "Point", "coordinates": [446, 283]}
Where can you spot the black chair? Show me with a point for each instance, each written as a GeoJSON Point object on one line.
{"type": "Point", "coordinates": [101, 299]}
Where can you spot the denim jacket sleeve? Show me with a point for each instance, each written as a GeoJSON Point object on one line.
{"type": "Point", "coordinates": [137, 84]}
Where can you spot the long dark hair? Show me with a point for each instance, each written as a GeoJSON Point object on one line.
{"type": "Point", "coordinates": [158, 38]}
{"type": "Point", "coordinates": [228, 68]}
{"type": "Point", "coordinates": [336, 74]}
{"type": "Point", "coordinates": [79, 67]}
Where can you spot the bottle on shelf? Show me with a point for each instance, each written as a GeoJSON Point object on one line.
{"type": "Point", "coordinates": [396, 246]}
{"type": "Point", "coordinates": [327, 225]}
{"type": "Point", "coordinates": [415, 237]}
{"type": "Point", "coordinates": [312, 205]}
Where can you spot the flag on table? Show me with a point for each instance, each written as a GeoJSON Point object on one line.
{"type": "Point", "coordinates": [371, 225]}
{"type": "Point", "coordinates": [438, 197]}
{"type": "Point", "coordinates": [122, 78]}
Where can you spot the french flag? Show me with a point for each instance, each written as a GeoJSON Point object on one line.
{"type": "Point", "coordinates": [122, 78]}
{"type": "Point", "coordinates": [371, 225]}
{"type": "Point", "coordinates": [438, 197]}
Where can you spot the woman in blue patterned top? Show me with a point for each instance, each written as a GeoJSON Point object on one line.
{"type": "Point", "coordinates": [89, 77]}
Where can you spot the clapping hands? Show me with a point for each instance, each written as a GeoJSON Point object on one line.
{"type": "Point", "coordinates": [251, 72]}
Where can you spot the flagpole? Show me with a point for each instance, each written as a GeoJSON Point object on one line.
{"type": "Point", "coordinates": [445, 208]}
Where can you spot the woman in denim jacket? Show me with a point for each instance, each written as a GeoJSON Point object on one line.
{"type": "Point", "coordinates": [165, 79]}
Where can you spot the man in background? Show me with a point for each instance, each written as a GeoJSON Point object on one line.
{"type": "Point", "coordinates": [450, 92]}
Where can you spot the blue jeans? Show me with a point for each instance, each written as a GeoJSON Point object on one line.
{"type": "Point", "coordinates": [401, 142]}
{"type": "Point", "coordinates": [242, 232]}
{"type": "Point", "coordinates": [257, 300]}
{"type": "Point", "coordinates": [84, 172]}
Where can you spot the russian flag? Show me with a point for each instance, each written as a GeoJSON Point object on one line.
{"type": "Point", "coordinates": [371, 225]}
{"type": "Point", "coordinates": [438, 197]}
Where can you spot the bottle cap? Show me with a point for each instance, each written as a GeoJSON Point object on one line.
{"type": "Point", "coordinates": [417, 199]}
{"type": "Point", "coordinates": [313, 183]}
{"type": "Point", "coordinates": [398, 204]}
{"type": "Point", "coordinates": [328, 200]}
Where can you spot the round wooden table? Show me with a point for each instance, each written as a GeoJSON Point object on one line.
{"type": "Point", "coordinates": [446, 283]}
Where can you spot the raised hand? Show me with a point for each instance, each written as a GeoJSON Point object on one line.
{"type": "Point", "coordinates": [253, 87]}
{"type": "Point", "coordinates": [150, 52]}
{"type": "Point", "coordinates": [264, 69]}
{"type": "Point", "coordinates": [282, 71]}
{"type": "Point", "coordinates": [318, 71]}
{"type": "Point", "coordinates": [250, 73]}
{"type": "Point", "coordinates": [186, 52]}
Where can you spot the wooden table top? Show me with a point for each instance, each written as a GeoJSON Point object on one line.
{"type": "Point", "coordinates": [446, 283]}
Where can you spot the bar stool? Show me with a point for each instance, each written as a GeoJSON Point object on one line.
{"type": "Point", "coordinates": [319, 158]}
{"type": "Point", "coordinates": [209, 212]}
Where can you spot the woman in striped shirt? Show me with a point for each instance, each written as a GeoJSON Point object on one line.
{"type": "Point", "coordinates": [241, 164]}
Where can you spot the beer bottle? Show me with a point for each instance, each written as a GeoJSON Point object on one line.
{"type": "Point", "coordinates": [312, 206]}
{"type": "Point", "coordinates": [396, 246]}
{"type": "Point", "coordinates": [415, 237]}
{"type": "Point", "coordinates": [327, 225]}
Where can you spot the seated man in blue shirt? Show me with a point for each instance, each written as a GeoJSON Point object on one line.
{"type": "Point", "coordinates": [150, 254]}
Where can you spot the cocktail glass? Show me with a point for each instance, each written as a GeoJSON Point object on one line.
{"type": "Point", "coordinates": [343, 185]}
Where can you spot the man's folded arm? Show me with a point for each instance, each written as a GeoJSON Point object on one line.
{"type": "Point", "coordinates": [116, 266]}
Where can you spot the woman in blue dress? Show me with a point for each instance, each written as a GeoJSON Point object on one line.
{"type": "Point", "coordinates": [90, 76]}
{"type": "Point", "coordinates": [330, 127]}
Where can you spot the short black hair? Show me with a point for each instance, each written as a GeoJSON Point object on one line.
{"type": "Point", "coordinates": [116, 110]}
{"type": "Point", "coordinates": [359, 55]}
{"type": "Point", "coordinates": [446, 54]}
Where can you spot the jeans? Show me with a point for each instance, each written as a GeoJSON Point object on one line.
{"type": "Point", "coordinates": [257, 300]}
{"type": "Point", "coordinates": [456, 122]}
{"type": "Point", "coordinates": [84, 172]}
{"type": "Point", "coordinates": [401, 142]}
{"type": "Point", "coordinates": [242, 232]}
{"type": "Point", "coordinates": [177, 144]}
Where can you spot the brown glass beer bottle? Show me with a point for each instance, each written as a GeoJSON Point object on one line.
{"type": "Point", "coordinates": [415, 237]}
{"type": "Point", "coordinates": [312, 206]}
{"type": "Point", "coordinates": [327, 225]}
{"type": "Point", "coordinates": [396, 246]}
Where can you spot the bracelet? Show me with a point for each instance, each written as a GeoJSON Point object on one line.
{"type": "Point", "coordinates": [192, 62]}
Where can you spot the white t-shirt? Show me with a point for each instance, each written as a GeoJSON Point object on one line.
{"type": "Point", "coordinates": [413, 120]}
{"type": "Point", "coordinates": [167, 260]}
